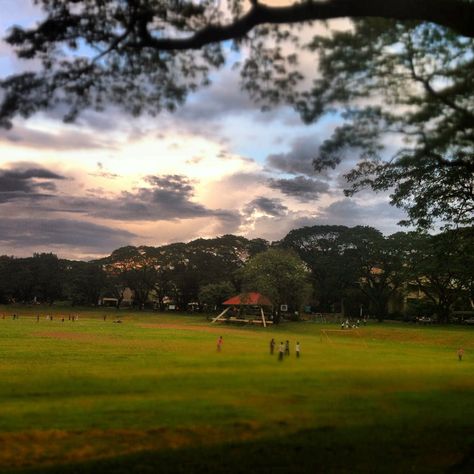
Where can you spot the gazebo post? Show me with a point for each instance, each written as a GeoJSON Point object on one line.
{"type": "Point", "coordinates": [263, 317]}
{"type": "Point", "coordinates": [220, 315]}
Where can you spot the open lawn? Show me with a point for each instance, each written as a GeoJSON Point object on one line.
{"type": "Point", "coordinates": [153, 395]}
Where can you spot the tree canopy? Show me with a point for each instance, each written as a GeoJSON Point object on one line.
{"type": "Point", "coordinates": [403, 69]}
{"type": "Point", "coordinates": [333, 269]}
{"type": "Point", "coordinates": [278, 274]}
{"type": "Point", "coordinates": [344, 259]}
{"type": "Point", "coordinates": [409, 82]}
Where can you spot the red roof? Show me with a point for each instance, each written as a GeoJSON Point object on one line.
{"type": "Point", "coordinates": [248, 299]}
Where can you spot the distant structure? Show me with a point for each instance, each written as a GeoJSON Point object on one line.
{"type": "Point", "coordinates": [246, 308]}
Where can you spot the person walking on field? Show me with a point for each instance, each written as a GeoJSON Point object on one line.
{"type": "Point", "coordinates": [272, 346]}
{"type": "Point", "coordinates": [287, 348]}
{"type": "Point", "coordinates": [220, 341]}
{"type": "Point", "coordinates": [281, 351]}
{"type": "Point", "coordinates": [298, 349]}
{"type": "Point", "coordinates": [460, 354]}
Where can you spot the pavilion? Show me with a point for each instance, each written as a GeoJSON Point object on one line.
{"type": "Point", "coordinates": [253, 303]}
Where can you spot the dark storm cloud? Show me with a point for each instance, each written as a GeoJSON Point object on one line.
{"type": "Point", "coordinates": [25, 181]}
{"type": "Point", "coordinates": [271, 207]}
{"type": "Point", "coordinates": [301, 188]}
{"type": "Point", "coordinates": [31, 232]}
{"type": "Point", "coordinates": [299, 160]}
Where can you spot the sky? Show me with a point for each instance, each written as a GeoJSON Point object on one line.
{"type": "Point", "coordinates": [218, 165]}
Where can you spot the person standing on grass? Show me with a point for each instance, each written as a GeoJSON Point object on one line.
{"type": "Point", "coordinates": [297, 349]}
{"type": "Point", "coordinates": [281, 351]}
{"type": "Point", "coordinates": [460, 354]}
{"type": "Point", "coordinates": [220, 341]}
{"type": "Point", "coordinates": [287, 347]}
{"type": "Point", "coordinates": [272, 346]}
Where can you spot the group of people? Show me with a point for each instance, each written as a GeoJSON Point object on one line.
{"type": "Point", "coordinates": [353, 325]}
{"type": "Point", "coordinates": [49, 317]}
{"type": "Point", "coordinates": [284, 349]}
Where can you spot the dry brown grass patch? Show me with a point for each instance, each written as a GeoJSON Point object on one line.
{"type": "Point", "coordinates": [52, 447]}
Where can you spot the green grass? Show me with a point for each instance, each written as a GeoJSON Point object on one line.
{"type": "Point", "coordinates": [153, 395]}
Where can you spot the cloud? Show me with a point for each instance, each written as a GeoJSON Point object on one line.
{"type": "Point", "coordinates": [379, 214]}
{"type": "Point", "coordinates": [301, 188]}
{"type": "Point", "coordinates": [244, 179]}
{"type": "Point", "coordinates": [161, 198]}
{"type": "Point", "coordinates": [275, 228]}
{"type": "Point", "coordinates": [299, 160]}
{"type": "Point", "coordinates": [103, 173]}
{"type": "Point", "coordinates": [168, 198]}
{"type": "Point", "coordinates": [26, 181]}
{"type": "Point", "coordinates": [222, 97]}
{"type": "Point", "coordinates": [33, 232]}
{"type": "Point", "coordinates": [346, 212]}
{"type": "Point", "coordinates": [267, 206]}
{"type": "Point", "coordinates": [58, 141]}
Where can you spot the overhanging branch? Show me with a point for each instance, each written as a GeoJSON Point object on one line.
{"type": "Point", "coordinates": [455, 14]}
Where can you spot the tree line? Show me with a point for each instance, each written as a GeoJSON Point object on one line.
{"type": "Point", "coordinates": [324, 268]}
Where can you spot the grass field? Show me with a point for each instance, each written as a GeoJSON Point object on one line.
{"type": "Point", "coordinates": [153, 395]}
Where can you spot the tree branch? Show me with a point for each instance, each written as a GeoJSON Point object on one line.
{"type": "Point", "coordinates": [431, 91]}
{"type": "Point", "coordinates": [455, 14]}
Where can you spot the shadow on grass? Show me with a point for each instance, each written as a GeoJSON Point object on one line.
{"type": "Point", "coordinates": [324, 450]}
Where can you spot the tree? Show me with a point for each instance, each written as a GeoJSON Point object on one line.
{"type": "Point", "coordinates": [410, 82]}
{"type": "Point", "coordinates": [115, 286]}
{"type": "Point", "coordinates": [278, 274]}
{"type": "Point", "coordinates": [48, 275]}
{"type": "Point", "coordinates": [179, 270]}
{"type": "Point", "coordinates": [411, 58]}
{"type": "Point", "coordinates": [8, 278]}
{"type": "Point", "coordinates": [85, 283]}
{"type": "Point", "coordinates": [141, 280]}
{"type": "Point", "coordinates": [39, 278]}
{"type": "Point", "coordinates": [379, 264]}
{"type": "Point", "coordinates": [443, 267]}
{"type": "Point", "coordinates": [214, 294]}
{"type": "Point", "coordinates": [323, 248]}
